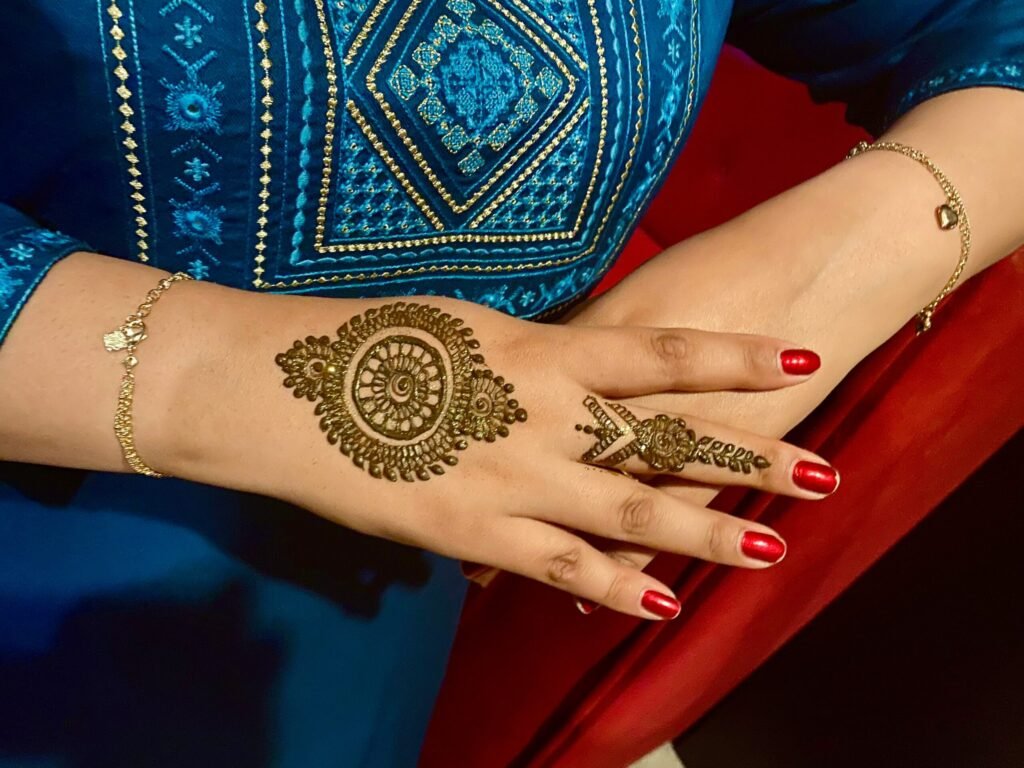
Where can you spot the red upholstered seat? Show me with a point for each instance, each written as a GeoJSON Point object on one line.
{"type": "Point", "coordinates": [531, 682]}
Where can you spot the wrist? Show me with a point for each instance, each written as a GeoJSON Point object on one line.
{"type": "Point", "coordinates": [191, 382]}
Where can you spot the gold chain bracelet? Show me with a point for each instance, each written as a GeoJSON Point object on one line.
{"type": "Point", "coordinates": [127, 338]}
{"type": "Point", "coordinates": [948, 215]}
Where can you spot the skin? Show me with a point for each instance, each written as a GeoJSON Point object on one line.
{"type": "Point", "coordinates": [211, 408]}
{"type": "Point", "coordinates": [845, 279]}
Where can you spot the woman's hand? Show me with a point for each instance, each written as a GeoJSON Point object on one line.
{"type": "Point", "coordinates": [495, 439]}
{"type": "Point", "coordinates": [840, 262]}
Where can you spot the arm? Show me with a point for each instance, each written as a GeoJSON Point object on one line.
{"type": "Point", "coordinates": [505, 486]}
{"type": "Point", "coordinates": [842, 261]}
{"type": "Point", "coordinates": [845, 259]}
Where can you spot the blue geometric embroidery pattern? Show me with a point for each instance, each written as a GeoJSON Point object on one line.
{"type": "Point", "coordinates": [19, 250]}
{"type": "Point", "coordinates": [349, 12]}
{"type": "Point", "coordinates": [561, 14]}
{"type": "Point", "coordinates": [473, 85]}
{"type": "Point", "coordinates": [501, 142]}
{"type": "Point", "coordinates": [487, 95]}
{"type": "Point", "coordinates": [371, 203]}
{"type": "Point", "coordinates": [545, 198]}
{"type": "Point", "coordinates": [193, 106]}
{"type": "Point", "coordinates": [188, 33]}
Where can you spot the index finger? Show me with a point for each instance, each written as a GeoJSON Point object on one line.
{"type": "Point", "coordinates": [631, 361]}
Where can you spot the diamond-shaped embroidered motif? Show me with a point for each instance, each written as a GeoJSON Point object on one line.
{"type": "Point", "coordinates": [471, 163]}
{"type": "Point", "coordinates": [404, 81]}
{"type": "Point", "coordinates": [455, 139]}
{"type": "Point", "coordinates": [477, 84]}
{"type": "Point", "coordinates": [431, 109]}
{"type": "Point", "coordinates": [464, 8]}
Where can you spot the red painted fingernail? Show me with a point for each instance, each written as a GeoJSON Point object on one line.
{"type": "Point", "coordinates": [799, 362]}
{"type": "Point", "coordinates": [817, 478]}
{"type": "Point", "coordinates": [586, 607]}
{"type": "Point", "coordinates": [761, 546]}
{"type": "Point", "coordinates": [665, 606]}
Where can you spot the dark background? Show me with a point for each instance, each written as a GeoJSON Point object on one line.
{"type": "Point", "coordinates": [919, 664]}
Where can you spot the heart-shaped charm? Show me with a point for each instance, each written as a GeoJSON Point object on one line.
{"type": "Point", "coordinates": [946, 216]}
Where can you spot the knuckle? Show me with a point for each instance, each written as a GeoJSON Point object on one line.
{"type": "Point", "coordinates": [564, 567]}
{"type": "Point", "coordinates": [617, 591]}
{"type": "Point", "coordinates": [637, 562]}
{"type": "Point", "coordinates": [717, 540]}
{"type": "Point", "coordinates": [759, 360]}
{"type": "Point", "coordinates": [636, 513]}
{"type": "Point", "coordinates": [778, 459]}
{"type": "Point", "coordinates": [670, 348]}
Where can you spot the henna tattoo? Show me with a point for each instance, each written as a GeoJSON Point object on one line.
{"type": "Point", "coordinates": [401, 389]}
{"type": "Point", "coordinates": [665, 443]}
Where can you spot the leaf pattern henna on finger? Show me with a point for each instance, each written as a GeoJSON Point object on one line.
{"type": "Point", "coordinates": [401, 390]}
{"type": "Point", "coordinates": [664, 443]}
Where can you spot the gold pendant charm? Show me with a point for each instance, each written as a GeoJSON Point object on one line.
{"type": "Point", "coordinates": [946, 216]}
{"type": "Point", "coordinates": [115, 341]}
{"type": "Point", "coordinates": [124, 337]}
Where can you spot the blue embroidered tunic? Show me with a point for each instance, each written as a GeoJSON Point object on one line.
{"type": "Point", "coordinates": [499, 151]}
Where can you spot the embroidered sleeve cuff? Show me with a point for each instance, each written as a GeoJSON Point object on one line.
{"type": "Point", "coordinates": [1006, 74]}
{"type": "Point", "coordinates": [26, 254]}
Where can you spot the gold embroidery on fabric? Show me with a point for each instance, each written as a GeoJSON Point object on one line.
{"type": "Point", "coordinates": [602, 134]}
{"type": "Point", "coordinates": [332, 108]}
{"type": "Point", "coordinates": [423, 205]}
{"type": "Point", "coordinates": [364, 31]}
{"type": "Point", "coordinates": [266, 134]}
{"type": "Point", "coordinates": [482, 268]}
{"type": "Point", "coordinates": [378, 145]}
{"type": "Point", "coordinates": [687, 113]}
{"type": "Point", "coordinates": [128, 128]}
{"type": "Point", "coordinates": [529, 170]}
{"type": "Point", "coordinates": [414, 150]}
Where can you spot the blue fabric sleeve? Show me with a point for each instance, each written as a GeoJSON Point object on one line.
{"type": "Point", "coordinates": [883, 57]}
{"type": "Point", "coordinates": [27, 252]}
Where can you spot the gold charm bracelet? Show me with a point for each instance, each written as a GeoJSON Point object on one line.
{"type": "Point", "coordinates": [127, 338]}
{"type": "Point", "coordinates": [948, 215]}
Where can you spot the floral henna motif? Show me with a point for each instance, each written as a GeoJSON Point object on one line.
{"type": "Point", "coordinates": [665, 443]}
{"type": "Point", "coordinates": [401, 390]}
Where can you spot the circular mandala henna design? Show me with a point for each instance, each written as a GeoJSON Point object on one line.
{"type": "Point", "coordinates": [664, 443]}
{"type": "Point", "coordinates": [401, 390]}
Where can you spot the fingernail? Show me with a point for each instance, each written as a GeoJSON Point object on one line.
{"type": "Point", "coordinates": [799, 362]}
{"type": "Point", "coordinates": [761, 546]}
{"type": "Point", "coordinates": [817, 478]}
{"type": "Point", "coordinates": [586, 607]}
{"type": "Point", "coordinates": [665, 606]}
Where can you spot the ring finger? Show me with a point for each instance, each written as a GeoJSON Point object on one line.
{"type": "Point", "coordinates": [646, 442]}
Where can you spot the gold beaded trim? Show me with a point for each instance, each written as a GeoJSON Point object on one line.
{"type": "Point", "coordinates": [948, 215]}
{"type": "Point", "coordinates": [266, 134]}
{"type": "Point", "coordinates": [529, 171]}
{"type": "Point", "coordinates": [364, 31]}
{"type": "Point", "coordinates": [395, 169]}
{"type": "Point", "coordinates": [332, 106]}
{"type": "Point", "coordinates": [126, 339]}
{"type": "Point", "coordinates": [128, 128]}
